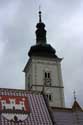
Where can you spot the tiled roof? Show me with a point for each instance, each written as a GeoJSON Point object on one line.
{"type": "Point", "coordinates": [68, 116]}
{"type": "Point", "coordinates": [38, 115]}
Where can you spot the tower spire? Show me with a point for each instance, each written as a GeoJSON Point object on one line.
{"type": "Point", "coordinates": [40, 19]}
{"type": "Point", "coordinates": [40, 32]}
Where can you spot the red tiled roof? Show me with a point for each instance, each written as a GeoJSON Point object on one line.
{"type": "Point", "coordinates": [39, 114]}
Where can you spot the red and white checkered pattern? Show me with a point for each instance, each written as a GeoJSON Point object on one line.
{"type": "Point", "coordinates": [38, 115]}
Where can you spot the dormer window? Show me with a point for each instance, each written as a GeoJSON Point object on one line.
{"type": "Point", "coordinates": [3, 102]}
{"type": "Point", "coordinates": [12, 102]}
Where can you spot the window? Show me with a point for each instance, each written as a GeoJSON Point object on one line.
{"type": "Point", "coordinates": [47, 74]}
{"type": "Point", "coordinates": [4, 107]}
{"type": "Point", "coordinates": [3, 102]}
{"type": "Point", "coordinates": [49, 97]}
{"type": "Point", "coordinates": [47, 78]}
{"type": "Point", "coordinates": [23, 108]}
{"type": "Point", "coordinates": [12, 102]}
{"type": "Point", "coordinates": [13, 107]}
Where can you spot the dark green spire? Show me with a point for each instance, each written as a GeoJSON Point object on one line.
{"type": "Point", "coordinates": [40, 32]}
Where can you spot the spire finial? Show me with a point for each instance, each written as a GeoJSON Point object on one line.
{"type": "Point", "coordinates": [40, 20]}
{"type": "Point", "coordinates": [74, 95]}
{"type": "Point", "coordinates": [40, 32]}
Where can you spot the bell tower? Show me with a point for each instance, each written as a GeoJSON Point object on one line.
{"type": "Point", "coordinates": [43, 69]}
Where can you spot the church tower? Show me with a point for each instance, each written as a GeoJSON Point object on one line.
{"type": "Point", "coordinates": [43, 69]}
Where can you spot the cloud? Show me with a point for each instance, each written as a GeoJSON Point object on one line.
{"type": "Point", "coordinates": [1, 49]}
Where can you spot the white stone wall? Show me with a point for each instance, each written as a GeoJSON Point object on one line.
{"type": "Point", "coordinates": [37, 69]}
{"type": "Point", "coordinates": [42, 65]}
{"type": "Point", "coordinates": [28, 74]}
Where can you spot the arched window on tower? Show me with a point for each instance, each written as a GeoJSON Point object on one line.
{"type": "Point", "coordinates": [49, 96]}
{"type": "Point", "coordinates": [47, 78]}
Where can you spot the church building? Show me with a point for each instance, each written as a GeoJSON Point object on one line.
{"type": "Point", "coordinates": [43, 69]}
{"type": "Point", "coordinates": [42, 102]}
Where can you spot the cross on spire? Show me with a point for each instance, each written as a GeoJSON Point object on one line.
{"type": "Point", "coordinates": [74, 95]}
{"type": "Point", "coordinates": [40, 20]}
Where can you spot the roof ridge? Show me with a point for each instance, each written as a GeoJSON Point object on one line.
{"type": "Point", "coordinates": [19, 90]}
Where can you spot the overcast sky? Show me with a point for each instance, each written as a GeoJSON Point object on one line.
{"type": "Point", "coordinates": [64, 25]}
